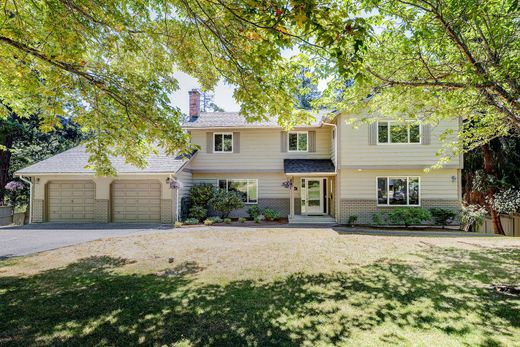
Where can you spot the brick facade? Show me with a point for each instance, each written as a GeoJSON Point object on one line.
{"type": "Point", "coordinates": [166, 211]}
{"type": "Point", "coordinates": [364, 209]}
{"type": "Point", "coordinates": [102, 211]}
{"type": "Point", "coordinates": [38, 211]}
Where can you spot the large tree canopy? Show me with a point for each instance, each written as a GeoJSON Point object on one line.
{"type": "Point", "coordinates": [110, 63]}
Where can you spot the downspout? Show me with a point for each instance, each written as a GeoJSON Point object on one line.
{"type": "Point", "coordinates": [30, 196]}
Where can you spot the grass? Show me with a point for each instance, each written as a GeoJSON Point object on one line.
{"type": "Point", "coordinates": [283, 287]}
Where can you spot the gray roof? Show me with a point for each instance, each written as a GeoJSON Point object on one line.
{"type": "Point", "coordinates": [236, 120]}
{"type": "Point", "coordinates": [308, 165]}
{"type": "Point", "coordinates": [74, 160]}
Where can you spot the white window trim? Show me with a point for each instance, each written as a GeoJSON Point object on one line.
{"type": "Point", "coordinates": [390, 138]}
{"type": "Point", "coordinates": [223, 151]}
{"type": "Point", "coordinates": [242, 179]}
{"type": "Point", "coordinates": [407, 191]}
{"type": "Point", "coordinates": [297, 138]}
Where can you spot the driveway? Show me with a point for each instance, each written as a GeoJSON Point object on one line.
{"type": "Point", "coordinates": [17, 241]}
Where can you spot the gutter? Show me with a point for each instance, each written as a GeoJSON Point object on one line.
{"type": "Point", "coordinates": [30, 196]}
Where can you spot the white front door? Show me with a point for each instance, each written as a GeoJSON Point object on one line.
{"type": "Point", "coordinates": [312, 196]}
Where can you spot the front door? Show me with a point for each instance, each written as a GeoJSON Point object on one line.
{"type": "Point", "coordinates": [312, 196]}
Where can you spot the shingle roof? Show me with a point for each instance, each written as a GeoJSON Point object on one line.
{"type": "Point", "coordinates": [75, 159]}
{"type": "Point", "coordinates": [308, 165]}
{"type": "Point", "coordinates": [236, 120]}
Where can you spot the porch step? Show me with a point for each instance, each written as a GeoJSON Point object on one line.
{"type": "Point", "coordinates": [312, 220]}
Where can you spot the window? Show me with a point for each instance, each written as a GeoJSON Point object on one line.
{"type": "Point", "coordinates": [247, 188]}
{"type": "Point", "coordinates": [223, 142]}
{"type": "Point", "coordinates": [393, 132]}
{"type": "Point", "coordinates": [298, 141]}
{"type": "Point", "coordinates": [398, 191]}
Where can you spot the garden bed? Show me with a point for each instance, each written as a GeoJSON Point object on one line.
{"type": "Point", "coordinates": [236, 223]}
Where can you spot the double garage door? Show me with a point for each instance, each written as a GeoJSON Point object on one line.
{"type": "Point", "coordinates": [131, 201]}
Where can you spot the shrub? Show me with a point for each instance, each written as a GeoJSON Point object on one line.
{"type": "Point", "coordinates": [208, 222]}
{"type": "Point", "coordinates": [215, 219]}
{"type": "Point", "coordinates": [227, 220]}
{"type": "Point", "coordinates": [409, 215]}
{"type": "Point", "coordinates": [376, 219]}
{"type": "Point", "coordinates": [258, 219]}
{"type": "Point", "coordinates": [442, 216]}
{"type": "Point", "coordinates": [242, 220]}
{"type": "Point", "coordinates": [253, 211]}
{"type": "Point", "coordinates": [198, 212]}
{"type": "Point", "coordinates": [271, 214]}
{"type": "Point", "coordinates": [178, 224]}
{"type": "Point", "coordinates": [201, 194]}
{"type": "Point", "coordinates": [226, 201]}
{"type": "Point", "coordinates": [352, 219]}
{"type": "Point", "coordinates": [191, 221]}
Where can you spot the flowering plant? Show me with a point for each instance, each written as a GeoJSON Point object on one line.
{"type": "Point", "coordinates": [506, 201]}
{"type": "Point", "coordinates": [14, 186]}
{"type": "Point", "coordinates": [174, 184]}
{"type": "Point", "coordinates": [472, 215]}
{"type": "Point", "coordinates": [287, 184]}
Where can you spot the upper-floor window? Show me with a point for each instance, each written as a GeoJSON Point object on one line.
{"type": "Point", "coordinates": [398, 191]}
{"type": "Point", "coordinates": [394, 132]}
{"type": "Point", "coordinates": [223, 142]}
{"type": "Point", "coordinates": [246, 188]}
{"type": "Point", "coordinates": [298, 141]}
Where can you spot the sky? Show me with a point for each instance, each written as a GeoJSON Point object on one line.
{"type": "Point", "coordinates": [223, 94]}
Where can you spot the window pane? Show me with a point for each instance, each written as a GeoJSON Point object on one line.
{"type": "Point", "coordinates": [415, 133]}
{"type": "Point", "coordinates": [397, 191]}
{"type": "Point", "coordinates": [239, 187]}
{"type": "Point", "coordinates": [252, 190]}
{"type": "Point", "coordinates": [302, 142]}
{"type": "Point", "coordinates": [414, 190]}
{"type": "Point", "coordinates": [218, 143]}
{"type": "Point", "coordinates": [228, 143]}
{"type": "Point", "coordinates": [222, 184]}
{"type": "Point", "coordinates": [382, 132]}
{"type": "Point", "coordinates": [398, 133]}
{"type": "Point", "coordinates": [293, 142]}
{"type": "Point", "coordinates": [382, 194]}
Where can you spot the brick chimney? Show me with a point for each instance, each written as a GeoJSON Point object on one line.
{"type": "Point", "coordinates": [194, 104]}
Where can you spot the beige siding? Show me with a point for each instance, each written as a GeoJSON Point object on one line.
{"type": "Point", "coordinates": [437, 184]}
{"type": "Point", "coordinates": [269, 184]}
{"type": "Point", "coordinates": [185, 177]}
{"type": "Point", "coordinates": [260, 150]}
{"type": "Point", "coordinates": [357, 152]}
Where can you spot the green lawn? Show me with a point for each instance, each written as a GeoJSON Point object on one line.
{"type": "Point", "coordinates": [415, 292]}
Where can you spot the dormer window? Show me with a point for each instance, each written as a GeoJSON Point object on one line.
{"type": "Point", "coordinates": [398, 132]}
{"type": "Point", "coordinates": [298, 141]}
{"type": "Point", "coordinates": [223, 142]}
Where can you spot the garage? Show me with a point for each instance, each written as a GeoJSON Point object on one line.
{"type": "Point", "coordinates": [71, 201]}
{"type": "Point", "coordinates": [136, 201]}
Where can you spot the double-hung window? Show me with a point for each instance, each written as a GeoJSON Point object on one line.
{"type": "Point", "coordinates": [246, 188]}
{"type": "Point", "coordinates": [395, 191]}
{"type": "Point", "coordinates": [398, 132]}
{"type": "Point", "coordinates": [298, 141]}
{"type": "Point", "coordinates": [223, 142]}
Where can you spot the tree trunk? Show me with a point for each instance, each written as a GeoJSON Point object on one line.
{"type": "Point", "coordinates": [489, 169]}
{"type": "Point", "coordinates": [5, 159]}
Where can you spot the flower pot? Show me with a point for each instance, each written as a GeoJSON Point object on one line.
{"type": "Point", "coordinates": [19, 218]}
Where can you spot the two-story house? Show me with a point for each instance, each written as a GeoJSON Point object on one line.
{"type": "Point", "coordinates": [328, 169]}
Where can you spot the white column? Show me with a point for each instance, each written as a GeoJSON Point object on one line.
{"type": "Point", "coordinates": [291, 200]}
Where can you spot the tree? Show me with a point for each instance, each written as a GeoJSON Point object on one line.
{"type": "Point", "coordinates": [24, 144]}
{"type": "Point", "coordinates": [207, 104]}
{"type": "Point", "coordinates": [308, 89]}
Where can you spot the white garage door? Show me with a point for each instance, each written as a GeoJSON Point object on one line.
{"type": "Point", "coordinates": [70, 201]}
{"type": "Point", "coordinates": [136, 201]}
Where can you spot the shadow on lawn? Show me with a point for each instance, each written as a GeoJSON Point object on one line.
{"type": "Point", "coordinates": [85, 304]}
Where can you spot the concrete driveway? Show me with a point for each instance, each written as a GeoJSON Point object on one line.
{"type": "Point", "coordinates": [17, 241]}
